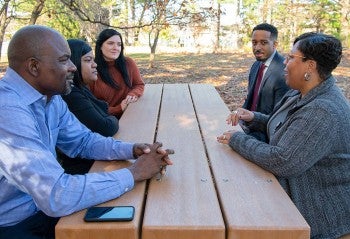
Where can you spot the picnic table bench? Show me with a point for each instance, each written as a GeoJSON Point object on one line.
{"type": "Point", "coordinates": [210, 192]}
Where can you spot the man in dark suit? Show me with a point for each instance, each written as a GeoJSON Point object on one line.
{"type": "Point", "coordinates": [264, 93]}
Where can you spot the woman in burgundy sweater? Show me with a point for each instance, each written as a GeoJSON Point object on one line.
{"type": "Point", "coordinates": [119, 81]}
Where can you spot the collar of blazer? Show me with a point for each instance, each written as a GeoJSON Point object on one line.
{"type": "Point", "coordinates": [272, 64]}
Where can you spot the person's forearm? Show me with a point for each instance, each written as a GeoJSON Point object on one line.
{"type": "Point", "coordinates": [74, 193]}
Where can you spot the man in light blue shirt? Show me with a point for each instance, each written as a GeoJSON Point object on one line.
{"type": "Point", "coordinates": [34, 120]}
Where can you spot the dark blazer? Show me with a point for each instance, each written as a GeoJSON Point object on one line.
{"type": "Point", "coordinates": [273, 88]}
{"type": "Point", "coordinates": [93, 113]}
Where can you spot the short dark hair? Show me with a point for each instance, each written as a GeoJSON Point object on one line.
{"type": "Point", "coordinates": [269, 28]}
{"type": "Point", "coordinates": [326, 50]}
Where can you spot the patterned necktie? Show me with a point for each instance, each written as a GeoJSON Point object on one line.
{"type": "Point", "coordinates": [257, 87]}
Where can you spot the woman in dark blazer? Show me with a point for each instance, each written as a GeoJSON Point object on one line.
{"type": "Point", "coordinates": [92, 112]}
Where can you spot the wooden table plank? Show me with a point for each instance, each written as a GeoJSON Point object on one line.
{"type": "Point", "coordinates": [253, 202]}
{"type": "Point", "coordinates": [134, 129]}
{"type": "Point", "coordinates": [184, 204]}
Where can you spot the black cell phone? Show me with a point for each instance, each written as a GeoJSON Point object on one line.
{"type": "Point", "coordinates": [110, 214]}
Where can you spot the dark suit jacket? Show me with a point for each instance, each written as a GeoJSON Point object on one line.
{"type": "Point", "coordinates": [272, 89]}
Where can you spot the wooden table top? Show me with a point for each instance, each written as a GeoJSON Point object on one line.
{"type": "Point", "coordinates": [210, 192]}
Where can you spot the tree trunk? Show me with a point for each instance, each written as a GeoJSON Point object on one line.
{"type": "Point", "coordinates": [133, 20]}
{"type": "Point", "coordinates": [4, 21]}
{"type": "Point", "coordinates": [36, 11]}
{"type": "Point", "coordinates": [126, 32]}
{"type": "Point", "coordinates": [137, 32]}
{"type": "Point", "coordinates": [218, 26]}
{"type": "Point", "coordinates": [153, 47]}
{"type": "Point", "coordinates": [345, 6]}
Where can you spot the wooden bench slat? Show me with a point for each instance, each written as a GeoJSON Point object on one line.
{"type": "Point", "coordinates": [134, 129]}
{"type": "Point", "coordinates": [187, 186]}
{"type": "Point", "coordinates": [253, 202]}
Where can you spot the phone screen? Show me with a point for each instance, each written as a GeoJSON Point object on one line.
{"type": "Point", "coordinates": [117, 213]}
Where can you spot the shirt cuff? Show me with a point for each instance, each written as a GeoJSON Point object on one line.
{"type": "Point", "coordinates": [123, 150]}
{"type": "Point", "coordinates": [126, 179]}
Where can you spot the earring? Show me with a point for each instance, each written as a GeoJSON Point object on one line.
{"type": "Point", "coordinates": [307, 76]}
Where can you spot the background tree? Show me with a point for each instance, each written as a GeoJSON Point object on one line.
{"type": "Point", "coordinates": [89, 17]}
{"type": "Point", "coordinates": [139, 21]}
{"type": "Point", "coordinates": [160, 15]}
{"type": "Point", "coordinates": [38, 7]}
{"type": "Point", "coordinates": [169, 22]}
{"type": "Point", "coordinates": [5, 19]}
{"type": "Point", "coordinates": [218, 27]}
{"type": "Point", "coordinates": [324, 16]}
{"type": "Point", "coordinates": [249, 8]}
{"type": "Point", "coordinates": [345, 21]}
{"type": "Point", "coordinates": [24, 12]}
{"type": "Point", "coordinates": [156, 16]}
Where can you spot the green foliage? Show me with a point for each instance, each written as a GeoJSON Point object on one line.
{"type": "Point", "coordinates": [23, 7]}
{"type": "Point", "coordinates": [120, 12]}
{"type": "Point", "coordinates": [60, 18]}
{"type": "Point", "coordinates": [166, 34]}
{"type": "Point", "coordinates": [326, 16]}
{"type": "Point", "coordinates": [292, 18]}
{"type": "Point", "coordinates": [249, 19]}
{"type": "Point", "coordinates": [66, 25]}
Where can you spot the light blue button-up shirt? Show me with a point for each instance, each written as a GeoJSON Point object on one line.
{"type": "Point", "coordinates": [31, 179]}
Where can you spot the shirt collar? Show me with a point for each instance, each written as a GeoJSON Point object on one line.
{"type": "Point", "coordinates": [27, 93]}
{"type": "Point", "coordinates": [268, 61]}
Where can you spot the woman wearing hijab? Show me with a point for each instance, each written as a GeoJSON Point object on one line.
{"type": "Point", "coordinates": [92, 112]}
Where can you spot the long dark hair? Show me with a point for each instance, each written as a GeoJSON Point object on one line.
{"type": "Point", "coordinates": [78, 48]}
{"type": "Point", "coordinates": [119, 63]}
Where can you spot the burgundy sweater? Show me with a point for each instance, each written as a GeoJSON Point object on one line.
{"type": "Point", "coordinates": [114, 96]}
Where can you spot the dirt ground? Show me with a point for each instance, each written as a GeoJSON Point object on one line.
{"type": "Point", "coordinates": [228, 72]}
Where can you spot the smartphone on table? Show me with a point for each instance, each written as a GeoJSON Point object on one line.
{"type": "Point", "coordinates": [110, 214]}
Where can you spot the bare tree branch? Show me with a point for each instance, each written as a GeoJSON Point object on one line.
{"type": "Point", "coordinates": [36, 11]}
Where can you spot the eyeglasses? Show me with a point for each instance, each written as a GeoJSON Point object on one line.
{"type": "Point", "coordinates": [291, 56]}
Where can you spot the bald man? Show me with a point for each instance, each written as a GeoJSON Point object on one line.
{"type": "Point", "coordinates": [35, 191]}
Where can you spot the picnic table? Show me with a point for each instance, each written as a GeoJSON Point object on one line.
{"type": "Point", "coordinates": [210, 192]}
